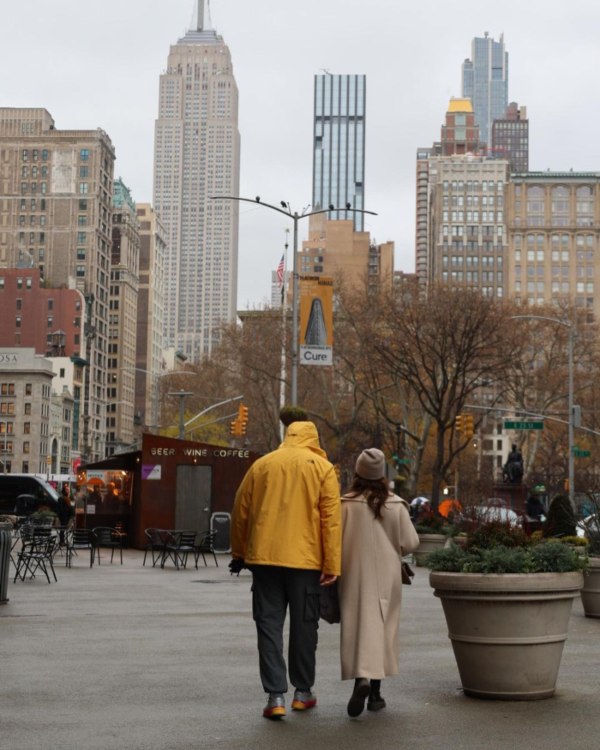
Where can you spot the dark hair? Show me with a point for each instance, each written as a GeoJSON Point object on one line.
{"type": "Point", "coordinates": [376, 492]}
{"type": "Point", "coordinates": [290, 414]}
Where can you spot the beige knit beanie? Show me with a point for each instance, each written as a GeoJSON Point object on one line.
{"type": "Point", "coordinates": [371, 464]}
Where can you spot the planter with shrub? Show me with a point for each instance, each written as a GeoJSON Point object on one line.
{"type": "Point", "coordinates": [433, 531]}
{"type": "Point", "coordinates": [507, 602]}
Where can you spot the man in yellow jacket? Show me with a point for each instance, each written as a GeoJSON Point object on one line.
{"type": "Point", "coordinates": [286, 526]}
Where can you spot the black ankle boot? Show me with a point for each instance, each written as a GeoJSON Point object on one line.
{"type": "Point", "coordinates": [356, 703]}
{"type": "Point", "coordinates": [375, 701]}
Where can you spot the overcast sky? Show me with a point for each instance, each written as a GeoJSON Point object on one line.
{"type": "Point", "coordinates": [97, 64]}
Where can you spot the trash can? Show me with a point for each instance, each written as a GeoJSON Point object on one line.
{"type": "Point", "coordinates": [5, 542]}
{"type": "Point", "coordinates": [220, 524]}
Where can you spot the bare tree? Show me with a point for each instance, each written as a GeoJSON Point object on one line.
{"type": "Point", "coordinates": [445, 348]}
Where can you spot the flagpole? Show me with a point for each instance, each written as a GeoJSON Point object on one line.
{"type": "Point", "coordinates": [283, 337]}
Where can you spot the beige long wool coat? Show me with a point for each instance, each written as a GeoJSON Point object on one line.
{"type": "Point", "coordinates": [370, 587]}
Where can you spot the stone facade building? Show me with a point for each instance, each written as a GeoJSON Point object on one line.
{"type": "Point", "coordinates": [56, 191]}
{"type": "Point", "coordinates": [25, 410]}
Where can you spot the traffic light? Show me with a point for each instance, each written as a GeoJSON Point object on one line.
{"type": "Point", "coordinates": [459, 423]}
{"type": "Point", "coordinates": [235, 428]}
{"type": "Point", "coordinates": [468, 426]}
{"type": "Point", "coordinates": [242, 418]}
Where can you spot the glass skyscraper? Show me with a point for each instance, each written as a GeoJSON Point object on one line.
{"type": "Point", "coordinates": [196, 156]}
{"type": "Point", "coordinates": [339, 145]}
{"type": "Point", "coordinates": [485, 82]}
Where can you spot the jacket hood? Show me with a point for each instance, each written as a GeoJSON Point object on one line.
{"type": "Point", "coordinates": [303, 435]}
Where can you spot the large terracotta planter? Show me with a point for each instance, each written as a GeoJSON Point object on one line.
{"type": "Point", "coordinates": [590, 593]}
{"type": "Point", "coordinates": [507, 631]}
{"type": "Point", "coordinates": [427, 544]}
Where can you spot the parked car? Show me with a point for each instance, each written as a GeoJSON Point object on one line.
{"type": "Point", "coordinates": [20, 494]}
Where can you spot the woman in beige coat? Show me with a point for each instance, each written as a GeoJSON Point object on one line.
{"type": "Point", "coordinates": [376, 533]}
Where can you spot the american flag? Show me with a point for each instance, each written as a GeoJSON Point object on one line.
{"type": "Point", "coordinates": [280, 268]}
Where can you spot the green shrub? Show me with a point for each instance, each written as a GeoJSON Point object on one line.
{"type": "Point", "coordinates": [485, 535]}
{"type": "Point", "coordinates": [546, 557]}
{"type": "Point", "coordinates": [429, 522]}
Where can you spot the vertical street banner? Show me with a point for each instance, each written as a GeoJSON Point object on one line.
{"type": "Point", "coordinates": [316, 320]}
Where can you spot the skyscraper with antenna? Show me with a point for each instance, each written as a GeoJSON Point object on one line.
{"type": "Point", "coordinates": [197, 155]}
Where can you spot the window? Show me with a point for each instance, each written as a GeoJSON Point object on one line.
{"type": "Point", "coordinates": [26, 428]}
{"type": "Point", "coordinates": [84, 154]}
{"type": "Point", "coordinates": [26, 446]}
{"type": "Point", "coordinates": [83, 187]}
{"type": "Point", "coordinates": [28, 389]}
{"type": "Point", "coordinates": [27, 408]}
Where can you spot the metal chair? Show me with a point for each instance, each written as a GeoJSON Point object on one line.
{"type": "Point", "coordinates": [36, 553]}
{"type": "Point", "coordinates": [181, 545]}
{"type": "Point", "coordinates": [155, 545]}
{"type": "Point", "coordinates": [78, 539]}
{"type": "Point", "coordinates": [104, 536]}
{"type": "Point", "coordinates": [205, 546]}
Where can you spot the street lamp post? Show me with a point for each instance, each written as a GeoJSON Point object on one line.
{"type": "Point", "coordinates": [182, 396]}
{"type": "Point", "coordinates": [571, 432]}
{"type": "Point", "coordinates": [209, 408]}
{"type": "Point", "coordinates": [284, 208]}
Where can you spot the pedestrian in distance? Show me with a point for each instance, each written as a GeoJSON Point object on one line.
{"type": "Point", "coordinates": [66, 506]}
{"type": "Point", "coordinates": [286, 528]}
{"type": "Point", "coordinates": [377, 533]}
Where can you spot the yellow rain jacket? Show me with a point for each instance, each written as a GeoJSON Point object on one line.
{"type": "Point", "coordinates": [287, 510]}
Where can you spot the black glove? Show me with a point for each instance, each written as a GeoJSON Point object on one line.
{"type": "Point", "coordinates": [236, 565]}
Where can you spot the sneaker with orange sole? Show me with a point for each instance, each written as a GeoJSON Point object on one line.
{"type": "Point", "coordinates": [303, 699]}
{"type": "Point", "coordinates": [275, 708]}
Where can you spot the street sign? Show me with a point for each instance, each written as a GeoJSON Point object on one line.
{"type": "Point", "coordinates": [580, 453]}
{"type": "Point", "coordinates": [510, 425]}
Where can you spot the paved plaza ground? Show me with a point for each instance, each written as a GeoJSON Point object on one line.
{"type": "Point", "coordinates": [139, 658]}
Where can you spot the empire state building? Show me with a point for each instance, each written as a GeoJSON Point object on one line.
{"type": "Point", "coordinates": [197, 155]}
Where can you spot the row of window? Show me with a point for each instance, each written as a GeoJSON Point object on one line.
{"type": "Point", "coordinates": [560, 191]}
{"type": "Point", "coordinates": [8, 389]}
{"type": "Point", "coordinates": [8, 428]}
{"type": "Point", "coordinates": [84, 154]}
{"type": "Point", "coordinates": [473, 185]}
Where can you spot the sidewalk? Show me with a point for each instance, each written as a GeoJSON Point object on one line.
{"type": "Point", "coordinates": [148, 659]}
